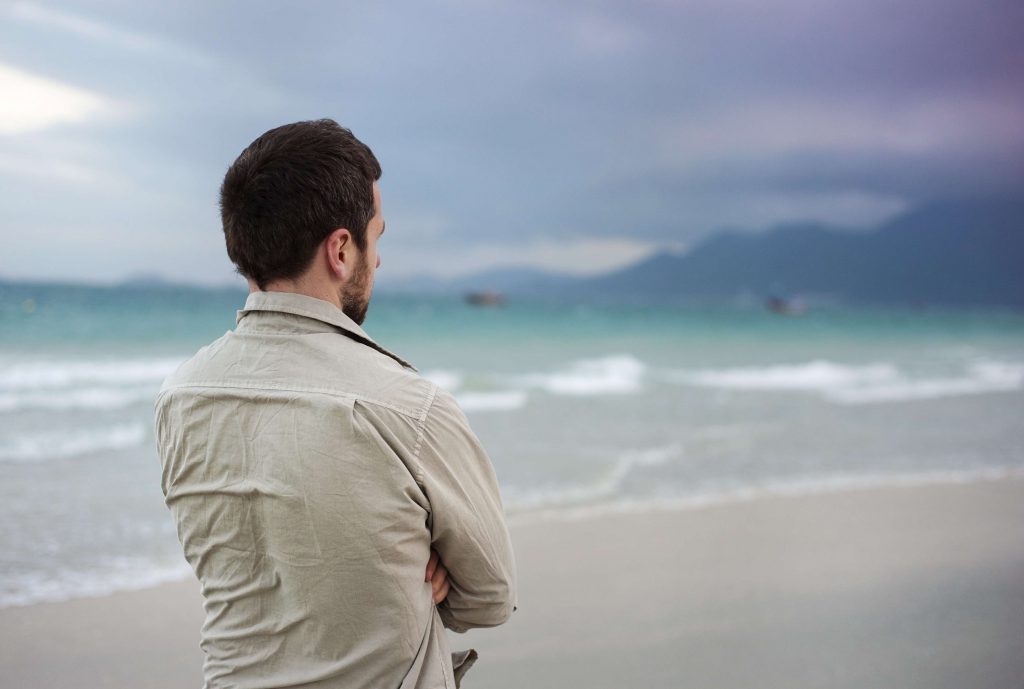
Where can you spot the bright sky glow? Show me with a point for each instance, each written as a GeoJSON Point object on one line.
{"type": "Point", "coordinates": [32, 103]}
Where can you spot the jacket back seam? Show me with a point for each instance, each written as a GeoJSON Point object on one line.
{"type": "Point", "coordinates": [427, 404]}
{"type": "Point", "coordinates": [331, 392]}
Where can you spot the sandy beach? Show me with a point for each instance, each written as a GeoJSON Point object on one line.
{"type": "Point", "coordinates": [884, 587]}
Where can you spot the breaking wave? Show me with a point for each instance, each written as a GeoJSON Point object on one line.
{"type": "Point", "coordinates": [611, 375]}
{"type": "Point", "coordinates": [64, 385]}
{"type": "Point", "coordinates": [118, 574]}
{"type": "Point", "coordinates": [979, 379]}
{"type": "Point", "coordinates": [37, 375]}
{"type": "Point", "coordinates": [609, 485]}
{"type": "Point", "coordinates": [444, 378]}
{"type": "Point", "coordinates": [76, 398]}
{"type": "Point", "coordinates": [506, 400]}
{"type": "Point", "coordinates": [860, 384]}
{"type": "Point", "coordinates": [62, 445]}
{"type": "Point", "coordinates": [796, 487]}
{"type": "Point", "coordinates": [616, 374]}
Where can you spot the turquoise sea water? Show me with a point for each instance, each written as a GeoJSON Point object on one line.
{"type": "Point", "coordinates": [584, 407]}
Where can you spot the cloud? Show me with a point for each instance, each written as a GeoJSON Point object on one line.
{"type": "Point", "coordinates": [600, 35]}
{"type": "Point", "coordinates": [757, 128]}
{"type": "Point", "coordinates": [572, 255]}
{"type": "Point", "coordinates": [850, 208]}
{"type": "Point", "coordinates": [555, 135]}
{"type": "Point", "coordinates": [104, 32]}
{"type": "Point", "coordinates": [32, 103]}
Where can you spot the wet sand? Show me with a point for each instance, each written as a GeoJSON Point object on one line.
{"type": "Point", "coordinates": [885, 587]}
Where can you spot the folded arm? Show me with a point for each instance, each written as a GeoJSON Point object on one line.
{"type": "Point", "coordinates": [467, 521]}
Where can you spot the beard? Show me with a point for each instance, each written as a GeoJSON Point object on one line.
{"type": "Point", "coordinates": [355, 295]}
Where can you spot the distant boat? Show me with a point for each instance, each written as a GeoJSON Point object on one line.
{"type": "Point", "coordinates": [785, 307]}
{"type": "Point", "coordinates": [485, 299]}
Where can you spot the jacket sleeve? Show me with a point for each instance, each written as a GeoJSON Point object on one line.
{"type": "Point", "coordinates": [467, 522]}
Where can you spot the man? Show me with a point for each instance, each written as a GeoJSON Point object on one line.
{"type": "Point", "coordinates": [336, 507]}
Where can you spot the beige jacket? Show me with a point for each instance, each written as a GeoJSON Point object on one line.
{"type": "Point", "coordinates": [309, 472]}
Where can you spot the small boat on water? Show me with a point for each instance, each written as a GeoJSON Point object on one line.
{"type": "Point", "coordinates": [485, 298]}
{"type": "Point", "coordinates": [785, 307]}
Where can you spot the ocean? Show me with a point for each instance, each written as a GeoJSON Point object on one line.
{"type": "Point", "coordinates": [584, 408]}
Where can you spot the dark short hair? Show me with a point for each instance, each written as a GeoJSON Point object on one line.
{"type": "Point", "coordinates": [289, 189]}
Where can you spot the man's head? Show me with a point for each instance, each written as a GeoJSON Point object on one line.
{"type": "Point", "coordinates": [301, 212]}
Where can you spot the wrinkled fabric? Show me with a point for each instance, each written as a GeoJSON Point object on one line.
{"type": "Point", "coordinates": [309, 471]}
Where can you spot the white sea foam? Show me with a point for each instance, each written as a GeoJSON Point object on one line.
{"type": "Point", "coordinates": [117, 574]}
{"type": "Point", "coordinates": [607, 486]}
{"type": "Point", "coordinates": [610, 375]}
{"type": "Point", "coordinates": [76, 398]}
{"type": "Point", "coordinates": [444, 378]}
{"type": "Point", "coordinates": [37, 375]}
{"type": "Point", "coordinates": [783, 488]}
{"type": "Point", "coordinates": [37, 447]}
{"type": "Point", "coordinates": [504, 400]}
{"type": "Point", "coordinates": [979, 379]}
{"type": "Point", "coordinates": [615, 374]}
{"type": "Point", "coordinates": [815, 375]}
{"type": "Point", "coordinates": [860, 384]}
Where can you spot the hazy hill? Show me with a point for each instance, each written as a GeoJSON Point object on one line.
{"type": "Point", "coordinates": [956, 253]}
{"type": "Point", "coordinates": [949, 253]}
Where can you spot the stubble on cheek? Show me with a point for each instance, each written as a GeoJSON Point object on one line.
{"type": "Point", "coordinates": [355, 297]}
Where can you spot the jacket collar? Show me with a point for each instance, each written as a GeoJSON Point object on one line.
{"type": "Point", "coordinates": [318, 309]}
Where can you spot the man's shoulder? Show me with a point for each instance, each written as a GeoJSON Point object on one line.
{"type": "Point", "coordinates": [330, 365]}
{"type": "Point", "coordinates": [193, 368]}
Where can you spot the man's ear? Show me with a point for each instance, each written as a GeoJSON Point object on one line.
{"type": "Point", "coordinates": [338, 247]}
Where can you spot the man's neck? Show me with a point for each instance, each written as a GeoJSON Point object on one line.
{"type": "Point", "coordinates": [317, 290]}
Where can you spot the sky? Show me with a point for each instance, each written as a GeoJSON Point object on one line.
{"type": "Point", "coordinates": [571, 137]}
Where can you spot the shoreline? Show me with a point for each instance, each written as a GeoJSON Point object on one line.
{"type": "Point", "coordinates": [885, 586]}
{"type": "Point", "coordinates": [797, 488]}
{"type": "Point", "coordinates": [519, 516]}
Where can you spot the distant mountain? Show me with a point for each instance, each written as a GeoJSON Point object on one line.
{"type": "Point", "coordinates": [954, 253]}
{"type": "Point", "coordinates": [957, 253]}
